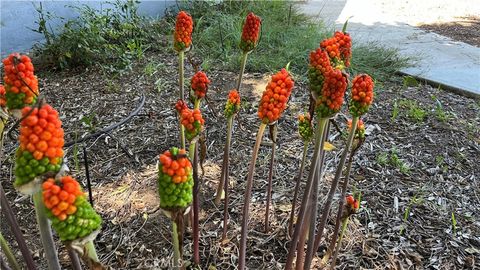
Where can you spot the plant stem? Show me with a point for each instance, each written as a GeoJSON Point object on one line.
{"type": "Point", "coordinates": [248, 195]}
{"type": "Point", "coordinates": [196, 105]}
{"type": "Point", "coordinates": [12, 221]}
{"type": "Point", "coordinates": [339, 245]}
{"type": "Point", "coordinates": [226, 153]}
{"type": "Point", "coordinates": [242, 70]}
{"type": "Point", "coordinates": [91, 251]}
{"type": "Point", "coordinates": [318, 151]}
{"type": "Point", "coordinates": [177, 255]}
{"type": "Point", "coordinates": [181, 74]}
{"type": "Point", "coordinates": [8, 253]}
{"type": "Point", "coordinates": [196, 209]}
{"type": "Point", "coordinates": [73, 258]}
{"type": "Point", "coordinates": [297, 188]}
{"type": "Point", "coordinates": [273, 135]}
{"type": "Point", "coordinates": [333, 187]}
{"type": "Point", "coordinates": [225, 206]}
{"type": "Point", "coordinates": [340, 209]}
{"type": "Point", "coordinates": [45, 232]}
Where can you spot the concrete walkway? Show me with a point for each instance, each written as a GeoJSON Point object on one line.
{"type": "Point", "coordinates": [452, 64]}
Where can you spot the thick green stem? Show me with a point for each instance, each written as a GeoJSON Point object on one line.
{"type": "Point", "coordinates": [177, 255]}
{"type": "Point", "coordinates": [196, 105]}
{"type": "Point", "coordinates": [333, 187]}
{"type": "Point", "coordinates": [318, 151]}
{"type": "Point", "coordinates": [297, 188]}
{"type": "Point", "coordinates": [46, 233]}
{"type": "Point", "coordinates": [91, 251]}
{"type": "Point", "coordinates": [226, 151]}
{"type": "Point", "coordinates": [242, 70]}
{"type": "Point", "coordinates": [339, 245]}
{"type": "Point", "coordinates": [8, 253]}
{"type": "Point", "coordinates": [181, 75]}
{"type": "Point", "coordinates": [248, 195]}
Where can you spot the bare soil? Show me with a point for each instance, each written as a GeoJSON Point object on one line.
{"type": "Point", "coordinates": [413, 174]}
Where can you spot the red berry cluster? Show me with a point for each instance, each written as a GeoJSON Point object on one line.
{"type": "Point", "coordinates": [200, 84]}
{"type": "Point", "coordinates": [339, 48]}
{"type": "Point", "coordinates": [192, 120]}
{"type": "Point", "coordinates": [183, 31]}
{"type": "Point", "coordinates": [3, 101]}
{"type": "Point", "coordinates": [20, 82]}
{"type": "Point", "coordinates": [319, 66]}
{"type": "Point", "coordinates": [352, 203]}
{"type": "Point", "coordinates": [362, 94]}
{"type": "Point", "coordinates": [360, 131]}
{"type": "Point", "coordinates": [251, 32]}
{"type": "Point", "coordinates": [178, 167]}
{"type": "Point", "coordinates": [275, 97]}
{"type": "Point", "coordinates": [333, 92]}
{"type": "Point", "coordinates": [233, 103]}
{"type": "Point", "coordinates": [60, 199]}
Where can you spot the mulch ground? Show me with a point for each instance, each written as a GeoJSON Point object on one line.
{"type": "Point", "coordinates": [413, 174]}
{"type": "Point", "coordinates": [465, 29]}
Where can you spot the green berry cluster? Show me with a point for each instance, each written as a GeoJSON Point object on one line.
{"type": "Point", "coordinates": [305, 129]}
{"type": "Point", "coordinates": [315, 79]}
{"type": "Point", "coordinates": [27, 167]}
{"type": "Point", "coordinates": [174, 195]}
{"type": "Point", "coordinates": [357, 109]}
{"type": "Point", "coordinates": [16, 101]}
{"type": "Point", "coordinates": [82, 223]}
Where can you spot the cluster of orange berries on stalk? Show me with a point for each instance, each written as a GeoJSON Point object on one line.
{"type": "Point", "coordinates": [233, 103]}
{"type": "Point", "coordinates": [200, 84]}
{"type": "Point", "coordinates": [360, 131]}
{"type": "Point", "coordinates": [352, 203]}
{"type": "Point", "coordinates": [250, 32]}
{"type": "Point", "coordinates": [183, 31]}
{"type": "Point", "coordinates": [275, 97]}
{"type": "Point", "coordinates": [60, 199]}
{"type": "Point", "coordinates": [362, 94]}
{"type": "Point", "coordinates": [178, 168]}
{"type": "Point", "coordinates": [333, 92]}
{"type": "Point", "coordinates": [3, 101]}
{"type": "Point", "coordinates": [41, 133]}
{"type": "Point", "coordinates": [338, 47]}
{"type": "Point", "coordinates": [20, 82]}
{"type": "Point", "coordinates": [319, 66]}
{"type": "Point", "coordinates": [192, 120]}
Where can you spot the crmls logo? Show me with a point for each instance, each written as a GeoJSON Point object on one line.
{"type": "Point", "coordinates": [163, 263]}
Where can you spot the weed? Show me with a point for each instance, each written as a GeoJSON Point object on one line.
{"type": "Point", "coordinates": [382, 159]}
{"type": "Point", "coordinates": [409, 81]}
{"type": "Point", "coordinates": [414, 111]}
{"type": "Point", "coordinates": [415, 200]}
{"type": "Point", "coordinates": [454, 223]}
{"type": "Point", "coordinates": [395, 111]}
{"type": "Point", "coordinates": [89, 121]}
{"type": "Point", "coordinates": [160, 85]}
{"type": "Point", "coordinates": [440, 114]}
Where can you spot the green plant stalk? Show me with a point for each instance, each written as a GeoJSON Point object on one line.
{"type": "Point", "coordinates": [326, 209]}
{"type": "Point", "coordinates": [318, 152]}
{"type": "Point", "coordinates": [91, 251]}
{"type": "Point", "coordinates": [339, 245]}
{"type": "Point", "coordinates": [226, 153]}
{"type": "Point", "coordinates": [181, 75]}
{"type": "Point", "coordinates": [46, 232]}
{"type": "Point", "coordinates": [297, 188]}
{"type": "Point", "coordinates": [177, 255]}
{"type": "Point", "coordinates": [248, 195]}
{"type": "Point", "coordinates": [242, 70]}
{"type": "Point", "coordinates": [273, 134]}
{"type": "Point", "coordinates": [197, 103]}
{"type": "Point", "coordinates": [341, 201]}
{"type": "Point", "coordinates": [8, 253]}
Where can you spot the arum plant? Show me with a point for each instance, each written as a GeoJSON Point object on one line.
{"type": "Point", "coordinates": [182, 39]}
{"type": "Point", "coordinates": [306, 133]}
{"type": "Point", "coordinates": [248, 42]}
{"type": "Point", "coordinates": [362, 97]}
{"type": "Point", "coordinates": [232, 107]}
{"type": "Point", "coordinates": [199, 85]}
{"type": "Point", "coordinates": [273, 103]}
{"type": "Point", "coordinates": [175, 188]}
{"type": "Point", "coordinates": [193, 122]}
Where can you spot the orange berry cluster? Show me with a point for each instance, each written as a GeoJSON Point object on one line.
{"type": "Point", "coordinates": [175, 180]}
{"type": "Point", "coordinates": [233, 103]}
{"type": "Point", "coordinates": [319, 66]}
{"type": "Point", "coordinates": [192, 120]}
{"type": "Point", "coordinates": [20, 82]}
{"type": "Point", "coordinates": [183, 31]}
{"type": "Point", "coordinates": [200, 84]}
{"type": "Point", "coordinates": [352, 203]}
{"type": "Point", "coordinates": [71, 214]}
{"type": "Point", "coordinates": [362, 94]}
{"type": "Point", "coordinates": [360, 131]}
{"type": "Point", "coordinates": [333, 92]}
{"type": "Point", "coordinates": [305, 127]}
{"type": "Point", "coordinates": [41, 141]}
{"type": "Point", "coordinates": [339, 48]}
{"type": "Point", "coordinates": [3, 101]}
{"type": "Point", "coordinates": [275, 97]}
{"type": "Point", "coordinates": [178, 167]}
{"type": "Point", "coordinates": [251, 32]}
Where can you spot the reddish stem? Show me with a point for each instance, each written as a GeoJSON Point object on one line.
{"type": "Point", "coordinates": [273, 137]}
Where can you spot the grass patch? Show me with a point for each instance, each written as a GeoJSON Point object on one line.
{"type": "Point", "coordinates": [287, 36]}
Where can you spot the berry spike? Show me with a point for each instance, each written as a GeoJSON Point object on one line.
{"type": "Point", "coordinates": [362, 94]}
{"type": "Point", "coordinates": [233, 103]}
{"type": "Point", "coordinates": [199, 84]}
{"type": "Point", "coordinates": [3, 100]}
{"type": "Point", "coordinates": [67, 207]}
{"type": "Point", "coordinates": [21, 84]}
{"type": "Point", "coordinates": [192, 120]}
{"type": "Point", "coordinates": [333, 92]}
{"type": "Point", "coordinates": [319, 66]}
{"type": "Point", "coordinates": [360, 131]}
{"type": "Point", "coordinates": [41, 141]}
{"type": "Point", "coordinates": [275, 97]}
{"type": "Point", "coordinates": [175, 180]}
{"type": "Point", "coordinates": [251, 32]}
{"type": "Point", "coordinates": [183, 31]}
{"type": "Point", "coordinates": [305, 128]}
